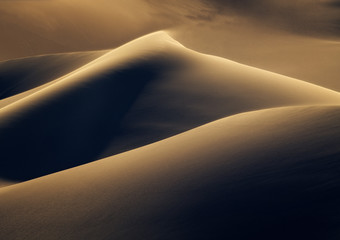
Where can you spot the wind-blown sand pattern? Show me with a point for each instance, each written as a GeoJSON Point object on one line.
{"type": "Point", "coordinates": [170, 134]}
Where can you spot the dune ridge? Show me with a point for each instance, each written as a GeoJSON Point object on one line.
{"type": "Point", "coordinates": [147, 90]}
{"type": "Point", "coordinates": [19, 75]}
{"type": "Point", "coordinates": [266, 171]}
{"type": "Point", "coordinates": [178, 120]}
{"type": "Point", "coordinates": [22, 77]}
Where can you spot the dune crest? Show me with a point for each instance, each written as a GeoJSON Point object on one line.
{"type": "Point", "coordinates": [22, 77]}
{"type": "Point", "coordinates": [241, 172]}
{"type": "Point", "coordinates": [169, 120]}
{"type": "Point", "coordinates": [144, 91]}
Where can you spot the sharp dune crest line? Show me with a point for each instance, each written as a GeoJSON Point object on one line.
{"type": "Point", "coordinates": [20, 78]}
{"type": "Point", "coordinates": [161, 39]}
{"type": "Point", "coordinates": [171, 187]}
{"type": "Point", "coordinates": [142, 92]}
{"type": "Point", "coordinates": [169, 120]}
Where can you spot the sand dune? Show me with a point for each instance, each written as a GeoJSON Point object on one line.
{"type": "Point", "coordinates": [259, 175]}
{"type": "Point", "coordinates": [41, 27]}
{"type": "Point", "coordinates": [142, 92]}
{"type": "Point", "coordinates": [297, 39]}
{"type": "Point", "coordinates": [220, 120]}
{"type": "Point", "coordinates": [20, 75]}
{"type": "Point", "coordinates": [311, 59]}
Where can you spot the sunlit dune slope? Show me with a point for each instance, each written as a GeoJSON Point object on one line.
{"type": "Point", "coordinates": [310, 59]}
{"type": "Point", "coordinates": [6, 182]}
{"type": "Point", "coordinates": [144, 91]}
{"type": "Point", "coordinates": [297, 39]}
{"type": "Point", "coordinates": [259, 175]}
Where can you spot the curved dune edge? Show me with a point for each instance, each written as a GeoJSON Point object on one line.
{"type": "Point", "coordinates": [5, 183]}
{"type": "Point", "coordinates": [25, 76]}
{"type": "Point", "coordinates": [18, 76]}
{"type": "Point", "coordinates": [249, 176]}
{"type": "Point", "coordinates": [147, 90]}
{"type": "Point", "coordinates": [104, 59]}
{"type": "Point", "coordinates": [158, 39]}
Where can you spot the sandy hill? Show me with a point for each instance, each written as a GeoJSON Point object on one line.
{"type": "Point", "coordinates": [287, 37]}
{"type": "Point", "coordinates": [258, 175]}
{"type": "Point", "coordinates": [223, 124]}
{"type": "Point", "coordinates": [43, 27]}
{"type": "Point", "coordinates": [142, 92]}
{"type": "Point", "coordinates": [312, 59]}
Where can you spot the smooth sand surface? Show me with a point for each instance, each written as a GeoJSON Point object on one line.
{"type": "Point", "coordinates": [312, 59]}
{"type": "Point", "coordinates": [259, 175]}
{"type": "Point", "coordinates": [147, 119]}
{"type": "Point", "coordinates": [297, 39]}
{"type": "Point", "coordinates": [142, 92]}
{"type": "Point", "coordinates": [21, 75]}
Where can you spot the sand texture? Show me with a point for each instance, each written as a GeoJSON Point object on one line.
{"type": "Point", "coordinates": [143, 119]}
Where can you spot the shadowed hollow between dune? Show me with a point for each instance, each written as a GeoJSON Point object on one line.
{"type": "Point", "coordinates": [147, 90]}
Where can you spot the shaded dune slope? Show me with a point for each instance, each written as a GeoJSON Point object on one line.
{"type": "Point", "coordinates": [258, 175]}
{"type": "Point", "coordinates": [142, 92]}
{"type": "Point", "coordinates": [20, 75]}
